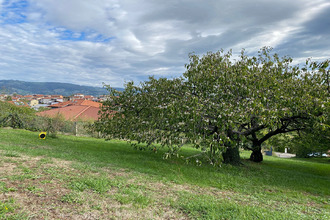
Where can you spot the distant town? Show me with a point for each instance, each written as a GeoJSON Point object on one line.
{"type": "Point", "coordinates": [36, 101]}
{"type": "Point", "coordinates": [73, 108]}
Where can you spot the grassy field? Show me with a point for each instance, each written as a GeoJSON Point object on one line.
{"type": "Point", "coordinates": [84, 178]}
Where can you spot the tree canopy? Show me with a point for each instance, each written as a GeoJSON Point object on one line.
{"type": "Point", "coordinates": [220, 104]}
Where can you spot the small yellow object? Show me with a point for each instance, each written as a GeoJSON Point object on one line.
{"type": "Point", "coordinates": [42, 135]}
{"type": "Point", "coordinates": [6, 208]}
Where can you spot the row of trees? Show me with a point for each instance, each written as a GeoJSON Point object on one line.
{"type": "Point", "coordinates": [221, 104]}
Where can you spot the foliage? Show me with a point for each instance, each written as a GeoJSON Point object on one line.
{"type": "Point", "coordinates": [9, 98]}
{"type": "Point", "coordinates": [220, 104]}
{"type": "Point", "coordinates": [53, 125]}
{"type": "Point", "coordinates": [41, 109]}
{"type": "Point", "coordinates": [14, 116]}
{"type": "Point", "coordinates": [7, 108]}
{"type": "Point", "coordinates": [12, 120]}
{"type": "Point", "coordinates": [315, 138]}
{"type": "Point", "coordinates": [312, 141]}
{"type": "Point", "coordinates": [25, 118]}
{"type": "Point", "coordinates": [282, 141]}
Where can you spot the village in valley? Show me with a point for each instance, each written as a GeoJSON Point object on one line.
{"type": "Point", "coordinates": [73, 108]}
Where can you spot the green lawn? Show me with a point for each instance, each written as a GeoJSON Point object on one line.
{"type": "Point", "coordinates": [78, 177]}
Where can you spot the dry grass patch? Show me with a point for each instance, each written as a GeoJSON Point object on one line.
{"type": "Point", "coordinates": [41, 189]}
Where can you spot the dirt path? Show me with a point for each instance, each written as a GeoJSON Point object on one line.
{"type": "Point", "coordinates": [284, 155]}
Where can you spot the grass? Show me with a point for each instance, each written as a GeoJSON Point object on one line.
{"type": "Point", "coordinates": [79, 177]}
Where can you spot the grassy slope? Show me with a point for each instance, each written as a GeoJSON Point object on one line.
{"type": "Point", "coordinates": [274, 189]}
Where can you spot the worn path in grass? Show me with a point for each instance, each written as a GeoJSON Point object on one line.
{"type": "Point", "coordinates": [86, 178]}
{"type": "Point", "coordinates": [284, 155]}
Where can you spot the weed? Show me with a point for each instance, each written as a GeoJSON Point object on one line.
{"type": "Point", "coordinates": [11, 154]}
{"type": "Point", "coordinates": [6, 206]}
{"type": "Point", "coordinates": [73, 197]}
{"type": "Point", "coordinates": [46, 181]}
{"type": "Point", "coordinates": [96, 207]}
{"type": "Point", "coordinates": [46, 160]}
{"type": "Point", "coordinates": [5, 189]}
{"type": "Point", "coordinates": [34, 189]}
{"type": "Point", "coordinates": [132, 194]}
{"type": "Point", "coordinates": [97, 184]}
{"type": "Point", "coordinates": [23, 177]}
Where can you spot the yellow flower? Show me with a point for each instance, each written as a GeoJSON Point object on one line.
{"type": "Point", "coordinates": [6, 208]}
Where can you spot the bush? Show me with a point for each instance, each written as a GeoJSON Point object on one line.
{"type": "Point", "coordinates": [312, 142]}
{"type": "Point", "coordinates": [26, 118]}
{"type": "Point", "coordinates": [15, 117]}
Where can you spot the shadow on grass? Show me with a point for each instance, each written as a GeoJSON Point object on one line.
{"type": "Point", "coordinates": [325, 160]}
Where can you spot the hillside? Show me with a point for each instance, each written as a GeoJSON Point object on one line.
{"type": "Point", "coordinates": [70, 177]}
{"type": "Point", "coordinates": [66, 89]}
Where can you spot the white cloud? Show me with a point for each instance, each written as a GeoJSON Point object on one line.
{"type": "Point", "coordinates": [113, 41]}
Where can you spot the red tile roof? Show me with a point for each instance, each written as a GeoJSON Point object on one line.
{"type": "Point", "coordinates": [77, 102]}
{"type": "Point", "coordinates": [60, 104]}
{"type": "Point", "coordinates": [38, 96]}
{"type": "Point", "coordinates": [73, 113]}
{"type": "Point", "coordinates": [87, 103]}
{"type": "Point", "coordinates": [19, 103]}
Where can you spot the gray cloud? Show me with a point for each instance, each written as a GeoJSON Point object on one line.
{"type": "Point", "coordinates": [311, 39]}
{"type": "Point", "coordinates": [113, 41]}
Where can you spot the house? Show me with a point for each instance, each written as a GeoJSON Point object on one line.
{"type": "Point", "coordinates": [38, 96]}
{"type": "Point", "coordinates": [77, 102]}
{"type": "Point", "coordinates": [45, 100]}
{"type": "Point", "coordinates": [28, 97]}
{"type": "Point", "coordinates": [74, 110]}
{"type": "Point", "coordinates": [73, 113]}
{"type": "Point", "coordinates": [89, 97]}
{"type": "Point", "coordinates": [15, 99]}
{"type": "Point", "coordinates": [36, 107]}
{"type": "Point", "coordinates": [3, 97]}
{"type": "Point", "coordinates": [33, 102]}
{"type": "Point", "coordinates": [60, 104]}
{"type": "Point", "coordinates": [104, 98]}
{"type": "Point", "coordinates": [19, 103]}
{"type": "Point", "coordinates": [57, 98]}
{"type": "Point", "coordinates": [77, 96]}
{"type": "Point", "coordinates": [86, 103]}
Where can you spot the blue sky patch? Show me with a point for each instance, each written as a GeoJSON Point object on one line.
{"type": "Point", "coordinates": [90, 36]}
{"type": "Point", "coordinates": [13, 12]}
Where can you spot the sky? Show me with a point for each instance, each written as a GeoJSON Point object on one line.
{"type": "Point", "coordinates": [90, 42]}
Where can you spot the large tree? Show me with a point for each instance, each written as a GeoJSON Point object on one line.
{"type": "Point", "coordinates": [220, 104]}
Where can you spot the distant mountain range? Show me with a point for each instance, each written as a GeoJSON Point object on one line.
{"type": "Point", "coordinates": [49, 88]}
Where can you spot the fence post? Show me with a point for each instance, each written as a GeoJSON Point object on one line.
{"type": "Point", "coordinates": [75, 128]}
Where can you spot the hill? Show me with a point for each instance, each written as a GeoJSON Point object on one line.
{"type": "Point", "coordinates": [70, 177]}
{"type": "Point", "coordinates": [46, 88]}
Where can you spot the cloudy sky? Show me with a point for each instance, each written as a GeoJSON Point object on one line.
{"type": "Point", "coordinates": [88, 42]}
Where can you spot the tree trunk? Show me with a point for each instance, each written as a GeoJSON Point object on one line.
{"type": "Point", "coordinates": [231, 156]}
{"type": "Point", "coordinates": [256, 155]}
